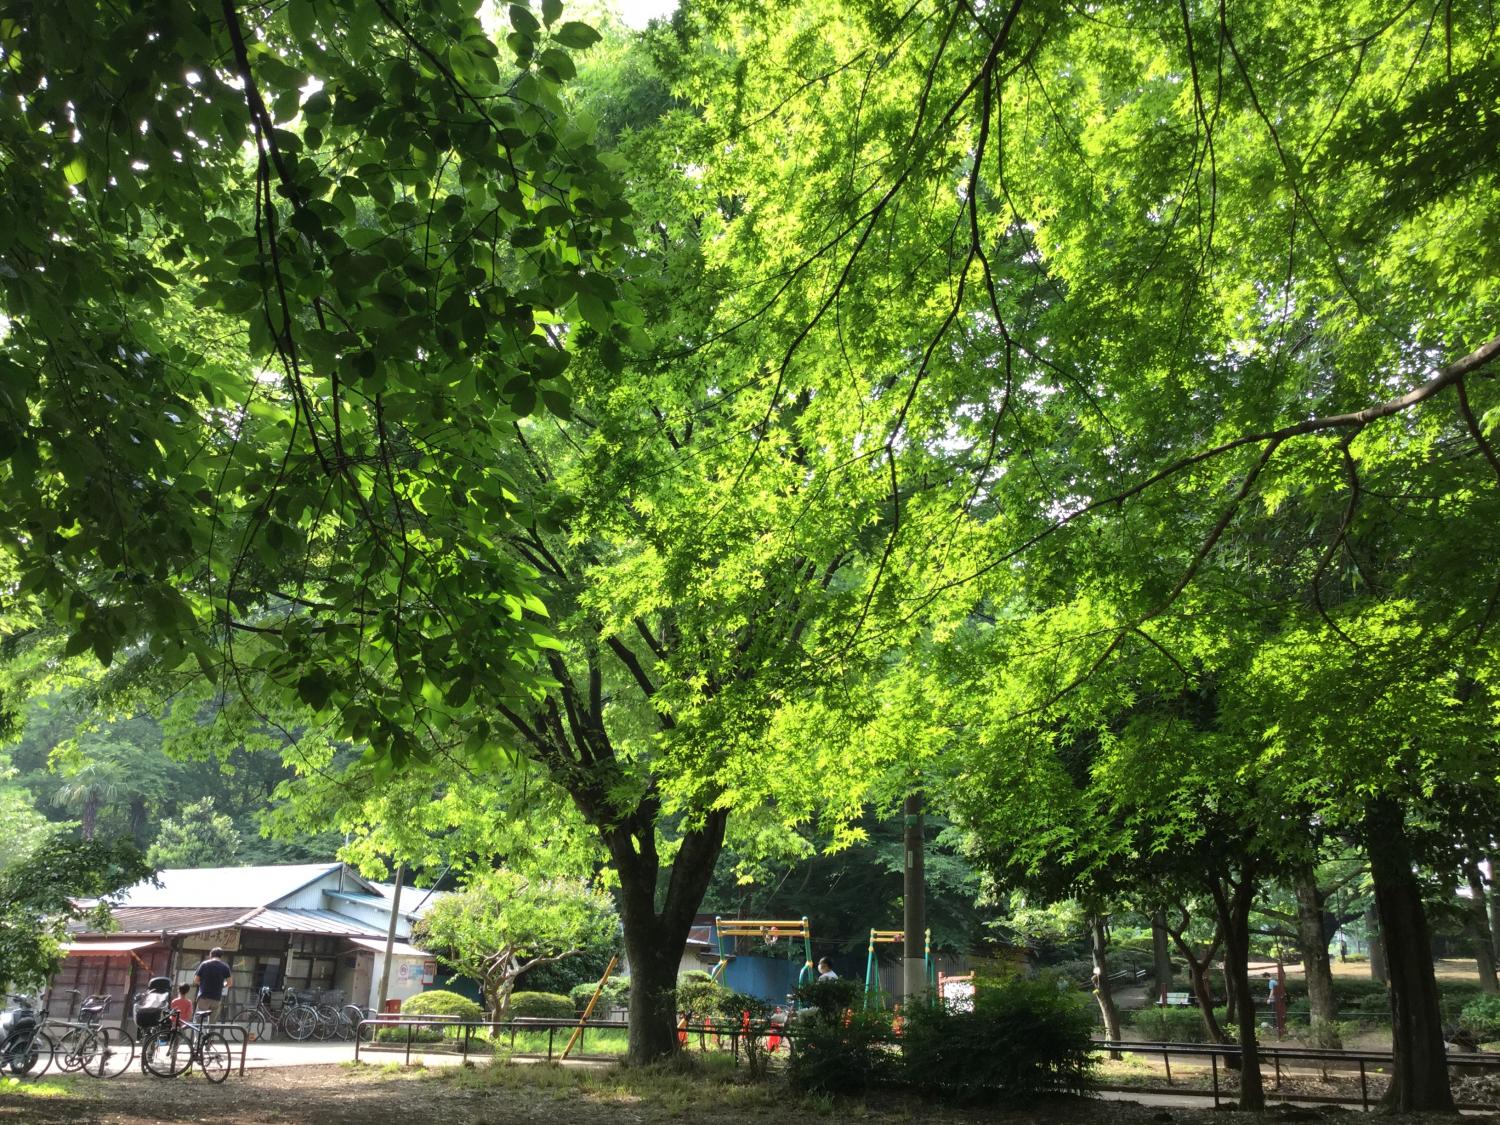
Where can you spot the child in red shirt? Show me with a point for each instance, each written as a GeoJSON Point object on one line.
{"type": "Point", "coordinates": [182, 1007]}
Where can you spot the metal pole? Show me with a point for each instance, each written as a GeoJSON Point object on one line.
{"type": "Point", "coordinates": [913, 966]}
{"type": "Point", "coordinates": [1214, 1063]}
{"type": "Point", "coordinates": [390, 943]}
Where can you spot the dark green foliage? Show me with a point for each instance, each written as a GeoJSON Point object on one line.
{"type": "Point", "coordinates": [831, 998]}
{"type": "Point", "coordinates": [1024, 1037]}
{"type": "Point", "coordinates": [572, 972]}
{"type": "Point", "coordinates": [540, 1005]}
{"type": "Point", "coordinates": [1175, 1025]}
{"type": "Point", "coordinates": [1481, 1017]}
{"type": "Point", "coordinates": [844, 1057]}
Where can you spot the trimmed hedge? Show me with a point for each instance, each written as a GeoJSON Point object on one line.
{"type": "Point", "coordinates": [540, 1005]}
{"type": "Point", "coordinates": [616, 994]}
{"type": "Point", "coordinates": [439, 1002]}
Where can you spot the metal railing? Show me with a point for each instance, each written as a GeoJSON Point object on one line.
{"type": "Point", "coordinates": [736, 1034]}
{"type": "Point", "coordinates": [1326, 1058]}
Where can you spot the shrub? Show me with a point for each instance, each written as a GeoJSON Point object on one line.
{"type": "Point", "coordinates": [831, 998]}
{"type": "Point", "coordinates": [1022, 1038]}
{"type": "Point", "coordinates": [699, 996]}
{"type": "Point", "coordinates": [540, 1005]}
{"type": "Point", "coordinates": [835, 1057]}
{"type": "Point", "coordinates": [439, 1002]}
{"type": "Point", "coordinates": [1481, 1017]}
{"type": "Point", "coordinates": [616, 994]}
{"type": "Point", "coordinates": [1174, 1025]}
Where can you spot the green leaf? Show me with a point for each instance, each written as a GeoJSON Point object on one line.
{"type": "Point", "coordinates": [523, 21]}
{"type": "Point", "coordinates": [579, 36]}
{"type": "Point", "coordinates": [551, 9]}
{"type": "Point", "coordinates": [76, 170]}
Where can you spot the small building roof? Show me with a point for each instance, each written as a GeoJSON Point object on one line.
{"type": "Point", "coordinates": [244, 887]}
{"type": "Point", "coordinates": [174, 919]}
{"type": "Point", "coordinates": [307, 922]}
{"type": "Point", "coordinates": [398, 949]}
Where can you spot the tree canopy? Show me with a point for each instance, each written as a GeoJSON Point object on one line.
{"type": "Point", "coordinates": [1083, 415]}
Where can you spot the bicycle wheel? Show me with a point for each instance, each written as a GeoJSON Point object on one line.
{"type": "Point", "coordinates": [72, 1048]}
{"type": "Point", "coordinates": [349, 1018]}
{"type": "Point", "coordinates": [27, 1054]}
{"type": "Point", "coordinates": [328, 1021]}
{"type": "Point", "coordinates": [213, 1056]}
{"type": "Point", "coordinates": [300, 1022]}
{"type": "Point", "coordinates": [166, 1054]}
{"type": "Point", "coordinates": [109, 1052]}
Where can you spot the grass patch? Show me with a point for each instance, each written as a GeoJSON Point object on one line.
{"type": "Point", "coordinates": [48, 1087]}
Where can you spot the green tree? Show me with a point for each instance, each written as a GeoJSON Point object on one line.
{"type": "Point", "coordinates": [197, 837]}
{"type": "Point", "coordinates": [40, 891]}
{"type": "Point", "coordinates": [503, 925]}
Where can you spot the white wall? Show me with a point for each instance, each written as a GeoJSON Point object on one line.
{"type": "Point", "coordinates": [400, 989]}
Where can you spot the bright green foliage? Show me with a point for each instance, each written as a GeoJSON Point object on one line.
{"type": "Point", "coordinates": [197, 837]}
{"type": "Point", "coordinates": [504, 924]}
{"type": "Point", "coordinates": [40, 889]}
{"type": "Point", "coordinates": [615, 995]}
{"type": "Point", "coordinates": [540, 1005]}
{"type": "Point", "coordinates": [440, 1002]}
{"type": "Point", "coordinates": [278, 282]}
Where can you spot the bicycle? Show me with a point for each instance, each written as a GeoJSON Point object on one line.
{"type": "Point", "coordinates": [298, 1018]}
{"type": "Point", "coordinates": [330, 1014]}
{"type": "Point", "coordinates": [26, 1051]}
{"type": "Point", "coordinates": [101, 1052]}
{"type": "Point", "coordinates": [176, 1045]}
{"type": "Point", "coordinates": [260, 1019]}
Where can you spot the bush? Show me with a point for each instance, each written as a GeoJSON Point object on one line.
{"type": "Point", "coordinates": [1022, 1038]}
{"type": "Point", "coordinates": [834, 1057]}
{"type": "Point", "coordinates": [1481, 1018]}
{"type": "Point", "coordinates": [439, 1002]}
{"type": "Point", "coordinates": [831, 998]}
{"type": "Point", "coordinates": [540, 1005]}
{"type": "Point", "coordinates": [1174, 1025]}
{"type": "Point", "coordinates": [616, 994]}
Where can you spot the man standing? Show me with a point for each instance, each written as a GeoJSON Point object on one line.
{"type": "Point", "coordinates": [212, 977]}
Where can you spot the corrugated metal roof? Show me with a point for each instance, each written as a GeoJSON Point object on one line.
{"type": "Point", "coordinates": [244, 887]}
{"type": "Point", "coordinates": [309, 922]}
{"type": "Point", "coordinates": [415, 901]}
{"type": "Point", "coordinates": [176, 919]}
{"type": "Point", "coordinates": [398, 949]}
{"type": "Point", "coordinates": [103, 948]}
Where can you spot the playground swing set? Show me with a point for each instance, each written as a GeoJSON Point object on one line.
{"type": "Point", "coordinates": [874, 996]}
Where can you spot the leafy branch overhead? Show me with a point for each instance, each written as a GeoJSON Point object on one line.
{"type": "Point", "coordinates": [249, 407]}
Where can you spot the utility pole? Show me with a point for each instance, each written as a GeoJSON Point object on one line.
{"type": "Point", "coordinates": [390, 940]}
{"type": "Point", "coordinates": [913, 965]}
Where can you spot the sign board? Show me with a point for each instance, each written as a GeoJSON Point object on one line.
{"type": "Point", "coordinates": [429, 972]}
{"type": "Point", "coordinates": [226, 939]}
{"type": "Point", "coordinates": [403, 972]}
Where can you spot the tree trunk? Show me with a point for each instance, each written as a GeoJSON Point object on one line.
{"type": "Point", "coordinates": [1103, 991]}
{"type": "Point", "coordinates": [138, 823]}
{"type": "Point", "coordinates": [1419, 1074]}
{"type": "Point", "coordinates": [1320, 998]}
{"type": "Point", "coordinates": [1198, 976]}
{"type": "Point", "coordinates": [1233, 904]}
{"type": "Point", "coordinates": [1161, 955]}
{"type": "Point", "coordinates": [1231, 998]}
{"type": "Point", "coordinates": [1494, 911]}
{"type": "Point", "coordinates": [1377, 946]}
{"type": "Point", "coordinates": [1479, 931]}
{"type": "Point", "coordinates": [655, 940]}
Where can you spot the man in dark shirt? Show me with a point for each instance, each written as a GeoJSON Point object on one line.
{"type": "Point", "coordinates": [213, 978]}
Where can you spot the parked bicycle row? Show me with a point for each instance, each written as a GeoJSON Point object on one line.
{"type": "Point", "coordinates": [169, 1042]}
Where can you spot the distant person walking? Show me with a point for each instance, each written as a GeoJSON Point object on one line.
{"type": "Point", "coordinates": [825, 970]}
{"type": "Point", "coordinates": [213, 978]}
{"type": "Point", "coordinates": [1343, 951]}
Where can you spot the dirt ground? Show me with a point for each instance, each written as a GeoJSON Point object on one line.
{"type": "Point", "coordinates": [501, 1095]}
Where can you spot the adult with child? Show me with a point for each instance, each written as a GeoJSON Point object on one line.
{"type": "Point", "coordinates": [214, 978]}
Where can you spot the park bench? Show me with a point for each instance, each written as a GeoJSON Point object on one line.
{"type": "Point", "coordinates": [1179, 999]}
